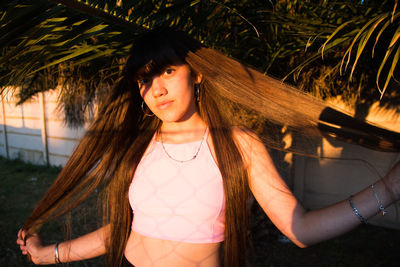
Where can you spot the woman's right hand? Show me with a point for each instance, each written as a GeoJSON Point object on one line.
{"type": "Point", "coordinates": [32, 246]}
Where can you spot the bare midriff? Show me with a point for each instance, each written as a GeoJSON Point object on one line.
{"type": "Point", "coordinates": [143, 251]}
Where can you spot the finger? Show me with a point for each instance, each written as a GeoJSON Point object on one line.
{"type": "Point", "coordinates": [20, 241]}
{"type": "Point", "coordinates": [23, 234]}
{"type": "Point", "coordinates": [20, 234]}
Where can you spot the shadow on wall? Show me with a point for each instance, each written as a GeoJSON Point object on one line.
{"type": "Point", "coordinates": [35, 131]}
{"type": "Point", "coordinates": [28, 145]}
{"type": "Point", "coordinates": [22, 143]}
{"type": "Point", "coordinates": [345, 167]}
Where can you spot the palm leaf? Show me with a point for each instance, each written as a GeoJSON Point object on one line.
{"type": "Point", "coordinates": [389, 51]}
{"type": "Point", "coordinates": [258, 33]}
{"type": "Point", "coordinates": [365, 39]}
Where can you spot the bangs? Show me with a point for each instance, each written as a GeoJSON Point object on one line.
{"type": "Point", "coordinates": [154, 51]}
{"type": "Point", "coordinates": [156, 62]}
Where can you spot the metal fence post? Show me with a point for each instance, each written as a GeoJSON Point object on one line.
{"type": "Point", "coordinates": [5, 139]}
{"type": "Point", "coordinates": [42, 104]}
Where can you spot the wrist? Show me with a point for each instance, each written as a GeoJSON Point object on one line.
{"type": "Point", "coordinates": [392, 182]}
{"type": "Point", "coordinates": [43, 255]}
{"type": "Point", "coordinates": [390, 190]}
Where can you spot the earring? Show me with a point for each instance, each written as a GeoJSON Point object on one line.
{"type": "Point", "coordinates": [197, 92]}
{"type": "Point", "coordinates": [145, 112]}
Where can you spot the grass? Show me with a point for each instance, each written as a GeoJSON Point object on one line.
{"type": "Point", "coordinates": [364, 246]}
{"type": "Point", "coordinates": [22, 185]}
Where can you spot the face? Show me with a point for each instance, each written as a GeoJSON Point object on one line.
{"type": "Point", "coordinates": [170, 95]}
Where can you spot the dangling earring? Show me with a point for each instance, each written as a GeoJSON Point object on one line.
{"type": "Point", "coordinates": [145, 113]}
{"type": "Point", "coordinates": [197, 92]}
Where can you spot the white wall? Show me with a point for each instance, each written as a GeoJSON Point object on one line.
{"type": "Point", "coordinates": [346, 169]}
{"type": "Point", "coordinates": [35, 131]}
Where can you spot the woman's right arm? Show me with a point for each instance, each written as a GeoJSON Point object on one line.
{"type": "Point", "coordinates": [85, 247]}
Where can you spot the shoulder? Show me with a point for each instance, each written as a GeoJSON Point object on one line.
{"type": "Point", "coordinates": [261, 169]}
{"type": "Point", "coordinates": [249, 144]}
{"type": "Point", "coordinates": [245, 137]}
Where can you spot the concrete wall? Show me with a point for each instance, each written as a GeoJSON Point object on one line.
{"type": "Point", "coordinates": [34, 132]}
{"type": "Point", "coordinates": [346, 169]}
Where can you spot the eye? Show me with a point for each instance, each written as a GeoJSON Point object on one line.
{"type": "Point", "coordinates": [169, 71]}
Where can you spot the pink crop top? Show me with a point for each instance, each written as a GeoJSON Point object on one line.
{"type": "Point", "coordinates": [178, 201]}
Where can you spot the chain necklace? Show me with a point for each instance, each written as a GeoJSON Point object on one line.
{"type": "Point", "coordinates": [178, 160]}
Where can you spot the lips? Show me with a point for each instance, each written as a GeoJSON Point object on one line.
{"type": "Point", "coordinates": [164, 104]}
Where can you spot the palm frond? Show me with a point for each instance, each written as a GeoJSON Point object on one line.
{"type": "Point", "coordinates": [39, 37]}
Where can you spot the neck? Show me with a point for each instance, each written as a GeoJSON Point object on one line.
{"type": "Point", "coordinates": [183, 131]}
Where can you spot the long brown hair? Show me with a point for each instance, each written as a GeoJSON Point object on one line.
{"type": "Point", "coordinates": [107, 156]}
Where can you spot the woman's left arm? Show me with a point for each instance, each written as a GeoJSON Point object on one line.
{"type": "Point", "coordinates": [286, 212]}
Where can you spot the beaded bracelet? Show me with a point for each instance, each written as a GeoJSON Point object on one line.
{"type": "Point", "coordinates": [356, 212]}
{"type": "Point", "coordinates": [381, 208]}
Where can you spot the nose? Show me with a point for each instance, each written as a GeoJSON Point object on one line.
{"type": "Point", "coordinates": [158, 87]}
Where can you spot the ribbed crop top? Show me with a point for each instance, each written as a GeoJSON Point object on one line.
{"type": "Point", "coordinates": [179, 201]}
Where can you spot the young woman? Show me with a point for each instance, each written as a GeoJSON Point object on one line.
{"type": "Point", "coordinates": [176, 166]}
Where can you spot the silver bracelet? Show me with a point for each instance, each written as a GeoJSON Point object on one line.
{"type": "Point", "coordinates": [356, 212]}
{"type": "Point", "coordinates": [381, 208]}
{"type": "Point", "coordinates": [56, 254]}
